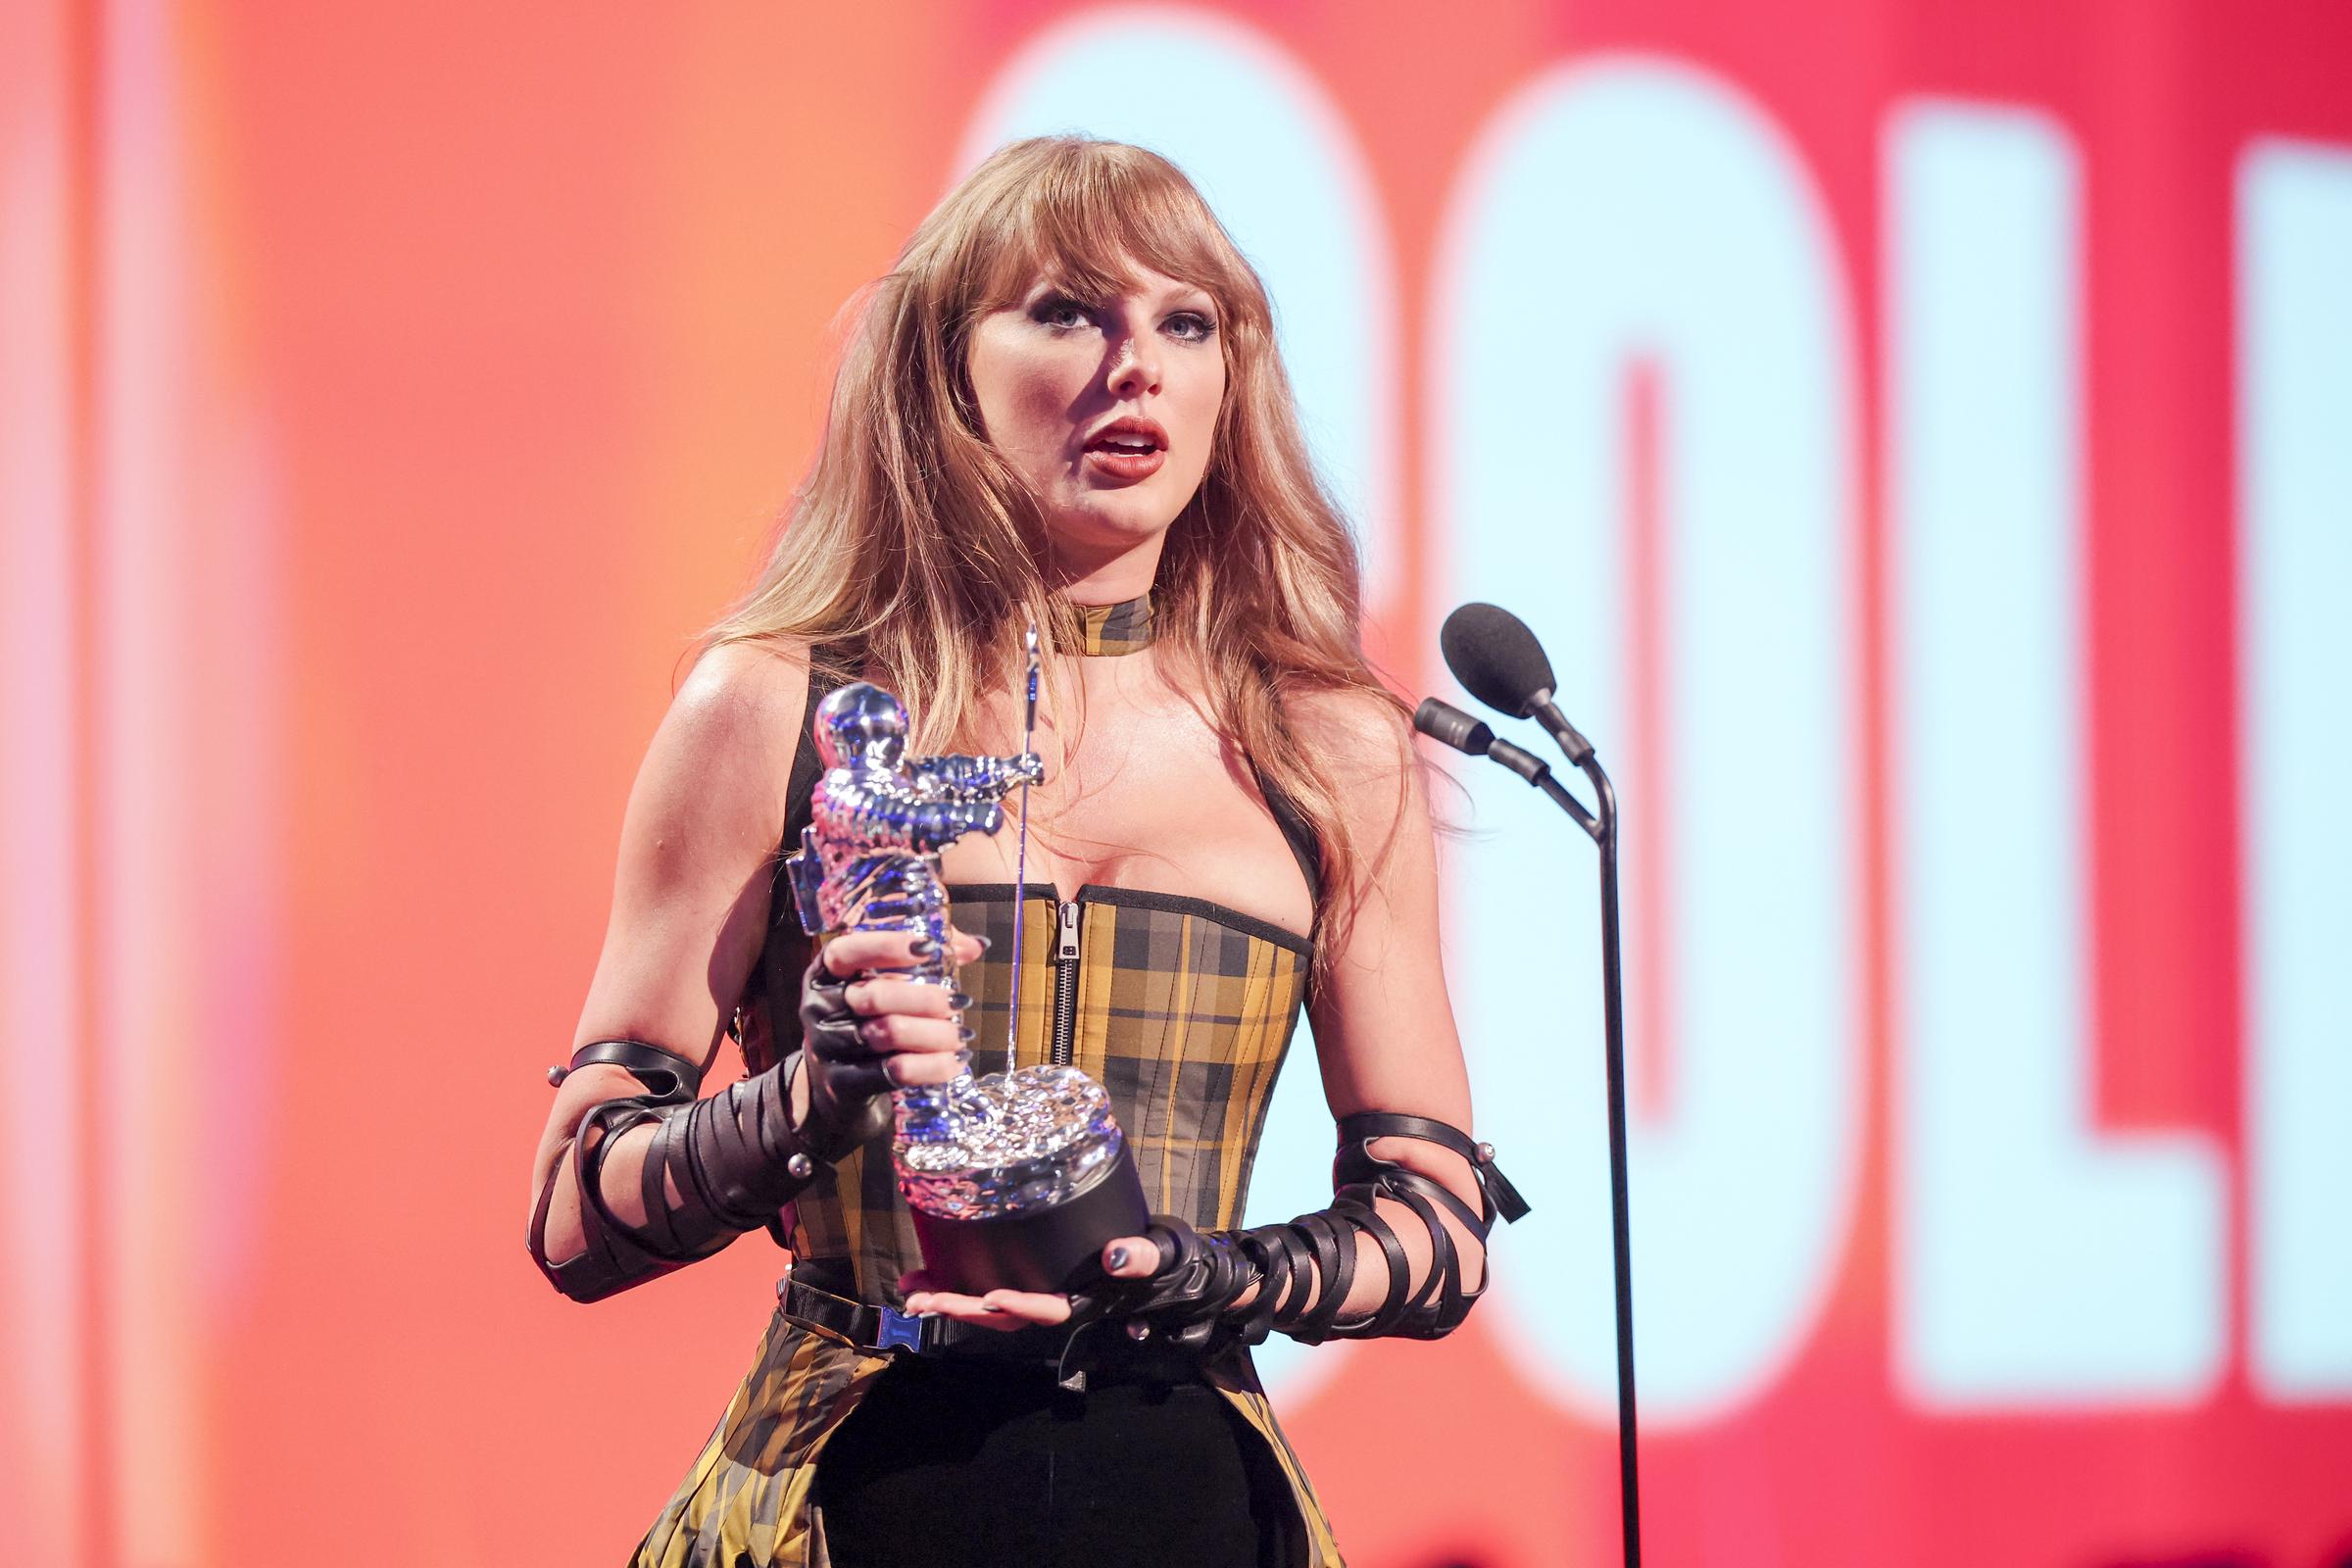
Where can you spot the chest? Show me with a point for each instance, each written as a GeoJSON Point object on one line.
{"type": "Point", "coordinates": [1142, 793]}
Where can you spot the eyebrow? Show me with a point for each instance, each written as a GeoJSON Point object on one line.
{"type": "Point", "coordinates": [1178, 291]}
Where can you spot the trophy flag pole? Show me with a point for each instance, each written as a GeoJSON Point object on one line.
{"type": "Point", "coordinates": [1020, 861]}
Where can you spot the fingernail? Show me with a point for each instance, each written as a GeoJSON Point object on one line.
{"type": "Point", "coordinates": [986, 943]}
{"type": "Point", "coordinates": [1118, 1258]}
{"type": "Point", "coordinates": [990, 1307]}
{"type": "Point", "coordinates": [966, 1033]}
{"type": "Point", "coordinates": [922, 947]}
{"type": "Point", "coordinates": [959, 998]}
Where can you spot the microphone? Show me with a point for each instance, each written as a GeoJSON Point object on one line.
{"type": "Point", "coordinates": [1499, 662]}
{"type": "Point", "coordinates": [1461, 732]}
{"type": "Point", "coordinates": [1451, 726]}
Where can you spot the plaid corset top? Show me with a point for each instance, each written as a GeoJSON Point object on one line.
{"type": "Point", "coordinates": [1183, 1010]}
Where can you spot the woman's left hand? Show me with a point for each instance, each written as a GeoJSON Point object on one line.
{"type": "Point", "coordinates": [1135, 1260]}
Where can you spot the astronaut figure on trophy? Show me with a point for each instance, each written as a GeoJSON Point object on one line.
{"type": "Point", "coordinates": [1013, 1179]}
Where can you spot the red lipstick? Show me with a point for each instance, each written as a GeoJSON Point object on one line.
{"type": "Point", "coordinates": [1127, 449]}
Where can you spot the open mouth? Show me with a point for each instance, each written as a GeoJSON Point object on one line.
{"type": "Point", "coordinates": [1126, 451]}
{"type": "Point", "coordinates": [1128, 437]}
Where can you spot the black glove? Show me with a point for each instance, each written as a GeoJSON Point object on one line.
{"type": "Point", "coordinates": [848, 1094]}
{"type": "Point", "coordinates": [1192, 1297]}
{"type": "Point", "coordinates": [1304, 1270]}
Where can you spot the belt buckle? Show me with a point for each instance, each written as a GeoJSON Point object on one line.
{"type": "Point", "coordinates": [900, 1329]}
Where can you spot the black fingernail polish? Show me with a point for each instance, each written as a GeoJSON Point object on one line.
{"type": "Point", "coordinates": [1118, 1258]}
{"type": "Point", "coordinates": [990, 1307]}
{"type": "Point", "coordinates": [922, 947]}
{"type": "Point", "coordinates": [986, 943]}
{"type": "Point", "coordinates": [968, 1034]}
{"type": "Point", "coordinates": [959, 998]}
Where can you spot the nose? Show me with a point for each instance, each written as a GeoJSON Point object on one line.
{"type": "Point", "coordinates": [1134, 366]}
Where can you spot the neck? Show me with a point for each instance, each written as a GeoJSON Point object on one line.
{"type": "Point", "coordinates": [1107, 577]}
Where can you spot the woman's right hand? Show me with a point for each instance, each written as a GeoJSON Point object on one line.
{"type": "Point", "coordinates": [865, 1032]}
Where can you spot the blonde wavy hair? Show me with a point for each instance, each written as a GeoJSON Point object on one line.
{"type": "Point", "coordinates": [913, 557]}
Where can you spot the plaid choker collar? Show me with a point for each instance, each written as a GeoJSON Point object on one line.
{"type": "Point", "coordinates": [1110, 630]}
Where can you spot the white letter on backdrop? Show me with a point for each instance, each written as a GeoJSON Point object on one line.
{"type": "Point", "coordinates": [2036, 1260]}
{"type": "Point", "coordinates": [1631, 210]}
{"type": "Point", "coordinates": [2294, 275]}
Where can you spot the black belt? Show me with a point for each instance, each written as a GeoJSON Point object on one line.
{"type": "Point", "coordinates": [886, 1328]}
{"type": "Point", "coordinates": [1107, 1348]}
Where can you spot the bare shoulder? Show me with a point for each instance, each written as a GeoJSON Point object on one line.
{"type": "Point", "coordinates": [1353, 729]}
{"type": "Point", "coordinates": [1363, 746]}
{"type": "Point", "coordinates": [746, 693]}
{"type": "Point", "coordinates": [690, 888]}
{"type": "Point", "coordinates": [723, 752]}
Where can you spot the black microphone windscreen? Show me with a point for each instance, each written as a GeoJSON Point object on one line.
{"type": "Point", "coordinates": [1496, 658]}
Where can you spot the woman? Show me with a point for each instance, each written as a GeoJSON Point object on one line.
{"type": "Point", "coordinates": [1063, 405]}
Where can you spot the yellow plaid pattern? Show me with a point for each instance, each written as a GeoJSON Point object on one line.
{"type": "Point", "coordinates": [1184, 1011]}
{"type": "Point", "coordinates": [1110, 630]}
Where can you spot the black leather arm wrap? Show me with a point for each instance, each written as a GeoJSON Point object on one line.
{"type": "Point", "coordinates": [1304, 1269]}
{"type": "Point", "coordinates": [734, 1159]}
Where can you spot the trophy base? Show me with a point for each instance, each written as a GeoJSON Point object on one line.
{"type": "Point", "coordinates": [1045, 1249]}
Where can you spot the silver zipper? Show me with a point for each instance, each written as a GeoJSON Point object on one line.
{"type": "Point", "coordinates": [1065, 982]}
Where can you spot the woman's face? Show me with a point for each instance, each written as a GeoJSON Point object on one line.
{"type": "Point", "coordinates": [1104, 407]}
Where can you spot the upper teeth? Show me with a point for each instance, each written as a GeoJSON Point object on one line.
{"type": "Point", "coordinates": [1138, 442]}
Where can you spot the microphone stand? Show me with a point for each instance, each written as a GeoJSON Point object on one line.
{"type": "Point", "coordinates": [1457, 729]}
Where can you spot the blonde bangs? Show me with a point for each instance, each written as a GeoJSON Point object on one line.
{"type": "Point", "coordinates": [1092, 224]}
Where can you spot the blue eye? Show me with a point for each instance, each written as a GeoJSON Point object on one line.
{"type": "Point", "coordinates": [1059, 311]}
{"type": "Point", "coordinates": [1190, 326]}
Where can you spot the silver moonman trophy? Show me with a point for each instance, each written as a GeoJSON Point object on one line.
{"type": "Point", "coordinates": [1017, 1179]}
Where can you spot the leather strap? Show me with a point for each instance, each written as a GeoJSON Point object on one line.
{"type": "Point", "coordinates": [732, 1159]}
{"type": "Point", "coordinates": [670, 1076]}
{"type": "Point", "coordinates": [1356, 1162]}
